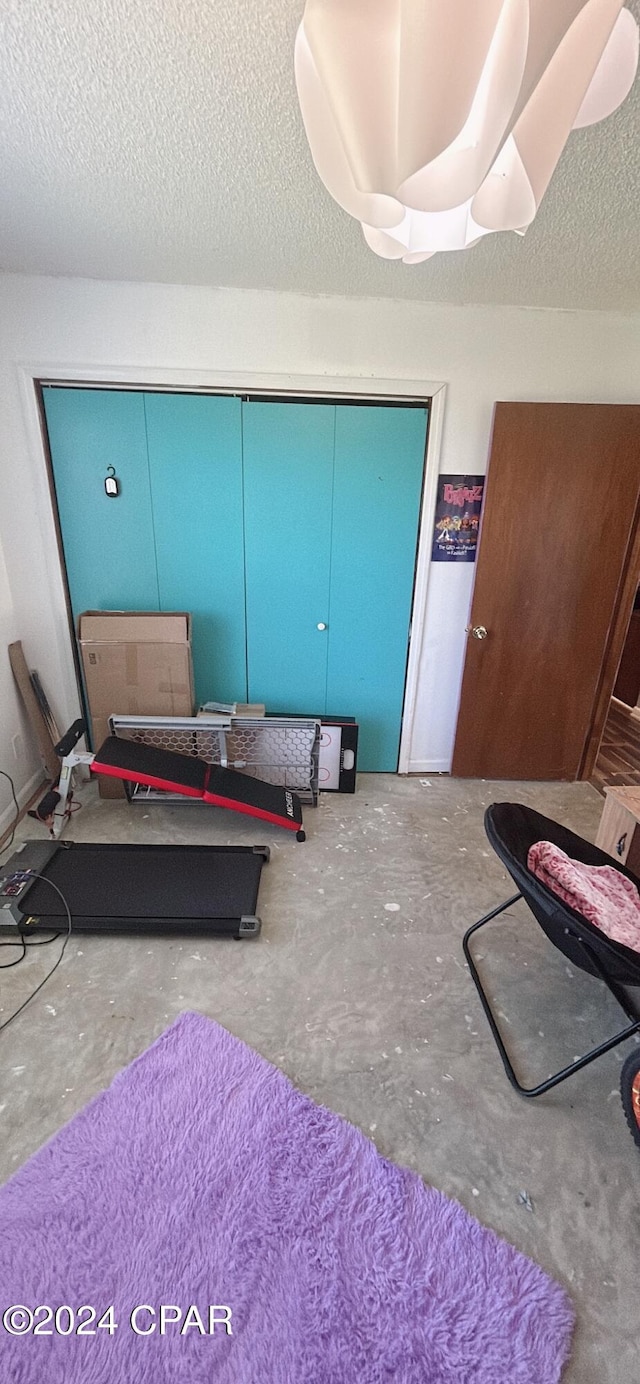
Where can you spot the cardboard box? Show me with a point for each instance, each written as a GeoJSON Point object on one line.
{"type": "Point", "coordinates": [619, 830]}
{"type": "Point", "coordinates": [107, 787]}
{"type": "Point", "coordinates": [135, 663]}
{"type": "Point", "coordinates": [250, 709]}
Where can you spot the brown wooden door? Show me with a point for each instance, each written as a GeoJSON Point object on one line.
{"type": "Point", "coordinates": [558, 530]}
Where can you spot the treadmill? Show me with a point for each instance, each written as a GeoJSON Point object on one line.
{"type": "Point", "coordinates": [196, 891]}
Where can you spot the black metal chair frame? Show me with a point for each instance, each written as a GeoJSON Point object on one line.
{"type": "Point", "coordinates": [591, 963]}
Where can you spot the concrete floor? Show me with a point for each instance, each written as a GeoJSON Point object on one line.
{"type": "Point", "coordinates": [358, 991]}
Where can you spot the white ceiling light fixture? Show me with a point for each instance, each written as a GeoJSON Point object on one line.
{"type": "Point", "coordinates": [437, 122]}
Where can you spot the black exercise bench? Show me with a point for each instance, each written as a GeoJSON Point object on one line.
{"type": "Point", "coordinates": [134, 762]}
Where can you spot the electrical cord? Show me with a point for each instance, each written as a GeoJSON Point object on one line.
{"type": "Point", "coordinates": [46, 941]}
{"type": "Point", "coordinates": [39, 987]}
{"type": "Point", "coordinates": [7, 847]}
{"type": "Point", "coordinates": [8, 964]}
{"type": "Point", "coordinates": [17, 816]}
{"type": "Point", "coordinates": [22, 943]}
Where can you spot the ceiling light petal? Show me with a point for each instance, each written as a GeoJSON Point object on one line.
{"type": "Point", "coordinates": [328, 150]}
{"type": "Point", "coordinates": [385, 243]}
{"type": "Point", "coordinates": [454, 174]}
{"type": "Point", "coordinates": [614, 76]}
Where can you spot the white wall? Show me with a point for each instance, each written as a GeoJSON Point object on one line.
{"type": "Point", "coordinates": [24, 769]}
{"type": "Point", "coordinates": [150, 332]}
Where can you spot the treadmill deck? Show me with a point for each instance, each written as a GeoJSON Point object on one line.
{"type": "Point", "coordinates": [195, 890]}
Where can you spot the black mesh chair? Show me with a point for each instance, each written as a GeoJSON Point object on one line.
{"type": "Point", "coordinates": [512, 829]}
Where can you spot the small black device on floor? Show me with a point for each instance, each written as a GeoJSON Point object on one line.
{"type": "Point", "coordinates": [165, 890]}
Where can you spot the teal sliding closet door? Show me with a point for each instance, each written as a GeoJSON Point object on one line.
{"type": "Point", "coordinates": [332, 503]}
{"type": "Point", "coordinates": [379, 464]}
{"type": "Point", "coordinates": [195, 465]}
{"type": "Point", "coordinates": [288, 482]}
{"type": "Point", "coordinates": [108, 544]}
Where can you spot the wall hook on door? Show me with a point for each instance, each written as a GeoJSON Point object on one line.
{"type": "Point", "coordinates": [111, 483]}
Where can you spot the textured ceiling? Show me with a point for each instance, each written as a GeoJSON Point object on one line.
{"type": "Point", "coordinates": [161, 140]}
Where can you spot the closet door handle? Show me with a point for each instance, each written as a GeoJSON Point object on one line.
{"type": "Point", "coordinates": [321, 626]}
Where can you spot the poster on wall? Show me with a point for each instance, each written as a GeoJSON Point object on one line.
{"type": "Point", "coordinates": [457, 519]}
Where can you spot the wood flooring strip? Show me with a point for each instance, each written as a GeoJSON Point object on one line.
{"type": "Point", "coordinates": [618, 762]}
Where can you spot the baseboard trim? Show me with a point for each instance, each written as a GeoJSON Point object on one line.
{"type": "Point", "coordinates": [429, 766]}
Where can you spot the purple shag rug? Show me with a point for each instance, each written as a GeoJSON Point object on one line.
{"type": "Point", "coordinates": [202, 1178]}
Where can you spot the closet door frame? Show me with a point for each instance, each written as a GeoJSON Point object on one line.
{"type": "Point", "coordinates": [33, 376]}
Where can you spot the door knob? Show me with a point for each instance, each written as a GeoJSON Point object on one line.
{"type": "Point", "coordinates": [478, 631]}
{"type": "Point", "coordinates": [321, 626]}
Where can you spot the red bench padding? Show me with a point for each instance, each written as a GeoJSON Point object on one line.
{"type": "Point", "coordinates": [128, 759]}
{"type": "Point", "coordinates": [240, 792]}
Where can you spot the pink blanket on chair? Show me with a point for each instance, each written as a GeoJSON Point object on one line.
{"type": "Point", "coordinates": [600, 893]}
